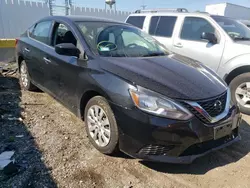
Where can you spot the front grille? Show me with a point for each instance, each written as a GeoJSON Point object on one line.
{"type": "Point", "coordinates": [200, 148]}
{"type": "Point", "coordinates": [155, 150]}
{"type": "Point", "coordinates": [196, 113]}
{"type": "Point", "coordinates": [209, 107]}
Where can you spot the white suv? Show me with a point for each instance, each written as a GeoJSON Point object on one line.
{"type": "Point", "coordinates": [221, 43]}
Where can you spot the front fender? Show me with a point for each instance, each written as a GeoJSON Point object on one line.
{"type": "Point", "coordinates": [234, 63]}
{"type": "Point", "coordinates": [110, 86]}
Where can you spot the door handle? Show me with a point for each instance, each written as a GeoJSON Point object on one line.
{"type": "Point", "coordinates": [26, 50]}
{"type": "Point", "coordinates": [178, 45]}
{"type": "Point", "coordinates": [46, 60]}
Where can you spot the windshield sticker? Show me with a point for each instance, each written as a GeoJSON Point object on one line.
{"type": "Point", "coordinates": [104, 49]}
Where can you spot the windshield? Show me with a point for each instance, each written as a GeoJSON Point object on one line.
{"type": "Point", "coordinates": [118, 40]}
{"type": "Point", "coordinates": [235, 29]}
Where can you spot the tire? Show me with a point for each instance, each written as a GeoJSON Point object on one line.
{"type": "Point", "coordinates": [24, 73]}
{"type": "Point", "coordinates": [237, 84]}
{"type": "Point", "coordinates": [101, 104]}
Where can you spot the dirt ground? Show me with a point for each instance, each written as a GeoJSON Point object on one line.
{"type": "Point", "coordinates": [54, 152]}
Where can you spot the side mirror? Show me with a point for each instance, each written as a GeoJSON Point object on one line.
{"type": "Point", "coordinates": [210, 37]}
{"type": "Point", "coordinates": [67, 49]}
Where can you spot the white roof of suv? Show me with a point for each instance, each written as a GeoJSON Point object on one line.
{"type": "Point", "coordinates": [176, 12]}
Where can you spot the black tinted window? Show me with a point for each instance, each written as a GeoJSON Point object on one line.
{"type": "Point", "coordinates": [164, 25]}
{"type": "Point", "coordinates": [136, 21]}
{"type": "Point", "coordinates": [153, 25]}
{"type": "Point", "coordinates": [193, 28]}
{"type": "Point", "coordinates": [41, 32]}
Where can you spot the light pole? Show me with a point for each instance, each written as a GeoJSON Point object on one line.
{"type": "Point", "coordinates": [143, 5]}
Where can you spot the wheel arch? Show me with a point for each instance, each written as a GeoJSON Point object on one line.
{"type": "Point", "coordinates": [236, 72]}
{"type": "Point", "coordinates": [19, 61]}
{"type": "Point", "coordinates": [86, 96]}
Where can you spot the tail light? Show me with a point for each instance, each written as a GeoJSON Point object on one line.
{"type": "Point", "coordinates": [16, 42]}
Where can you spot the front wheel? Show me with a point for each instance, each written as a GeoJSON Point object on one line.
{"type": "Point", "coordinates": [101, 125]}
{"type": "Point", "coordinates": [240, 89]}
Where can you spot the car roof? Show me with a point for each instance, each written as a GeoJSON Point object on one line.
{"type": "Point", "coordinates": [171, 14]}
{"type": "Point", "coordinates": [179, 13]}
{"type": "Point", "coordinates": [81, 19]}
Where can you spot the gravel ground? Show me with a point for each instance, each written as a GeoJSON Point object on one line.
{"type": "Point", "coordinates": [54, 152]}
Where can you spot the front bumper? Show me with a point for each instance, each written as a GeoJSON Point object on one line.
{"type": "Point", "coordinates": [148, 137]}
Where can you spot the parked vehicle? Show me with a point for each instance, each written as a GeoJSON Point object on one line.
{"type": "Point", "coordinates": [221, 43]}
{"type": "Point", "coordinates": [132, 94]}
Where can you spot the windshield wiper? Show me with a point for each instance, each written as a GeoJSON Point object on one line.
{"type": "Point", "coordinates": [241, 38]}
{"type": "Point", "coordinates": [154, 54]}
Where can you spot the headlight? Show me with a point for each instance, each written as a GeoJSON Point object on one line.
{"type": "Point", "coordinates": [157, 104]}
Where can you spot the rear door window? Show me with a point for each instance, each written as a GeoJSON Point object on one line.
{"type": "Point", "coordinates": [153, 24]}
{"type": "Point", "coordinates": [162, 26]}
{"type": "Point", "coordinates": [30, 30]}
{"type": "Point", "coordinates": [137, 21]}
{"type": "Point", "coordinates": [41, 32]}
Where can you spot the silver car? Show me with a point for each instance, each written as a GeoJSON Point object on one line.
{"type": "Point", "coordinates": [221, 43]}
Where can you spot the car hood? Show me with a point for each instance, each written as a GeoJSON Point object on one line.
{"type": "Point", "coordinates": [235, 49]}
{"type": "Point", "coordinates": [174, 76]}
{"type": "Point", "coordinates": [246, 42]}
{"type": "Point", "coordinates": [241, 47]}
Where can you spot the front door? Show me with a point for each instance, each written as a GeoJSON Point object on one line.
{"type": "Point", "coordinates": [189, 43]}
{"type": "Point", "coordinates": [63, 70]}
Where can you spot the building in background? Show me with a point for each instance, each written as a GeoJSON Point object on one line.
{"type": "Point", "coordinates": [229, 10]}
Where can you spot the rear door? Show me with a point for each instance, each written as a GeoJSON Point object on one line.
{"type": "Point", "coordinates": [189, 43]}
{"type": "Point", "coordinates": [25, 49]}
{"type": "Point", "coordinates": [162, 28]}
{"type": "Point", "coordinates": [35, 49]}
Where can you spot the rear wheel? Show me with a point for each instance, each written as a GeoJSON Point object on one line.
{"type": "Point", "coordinates": [101, 125]}
{"type": "Point", "coordinates": [240, 88]}
{"type": "Point", "coordinates": [25, 78]}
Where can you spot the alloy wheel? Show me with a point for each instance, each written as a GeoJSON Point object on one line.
{"type": "Point", "coordinates": [98, 125]}
{"type": "Point", "coordinates": [24, 75]}
{"type": "Point", "coordinates": [242, 94]}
